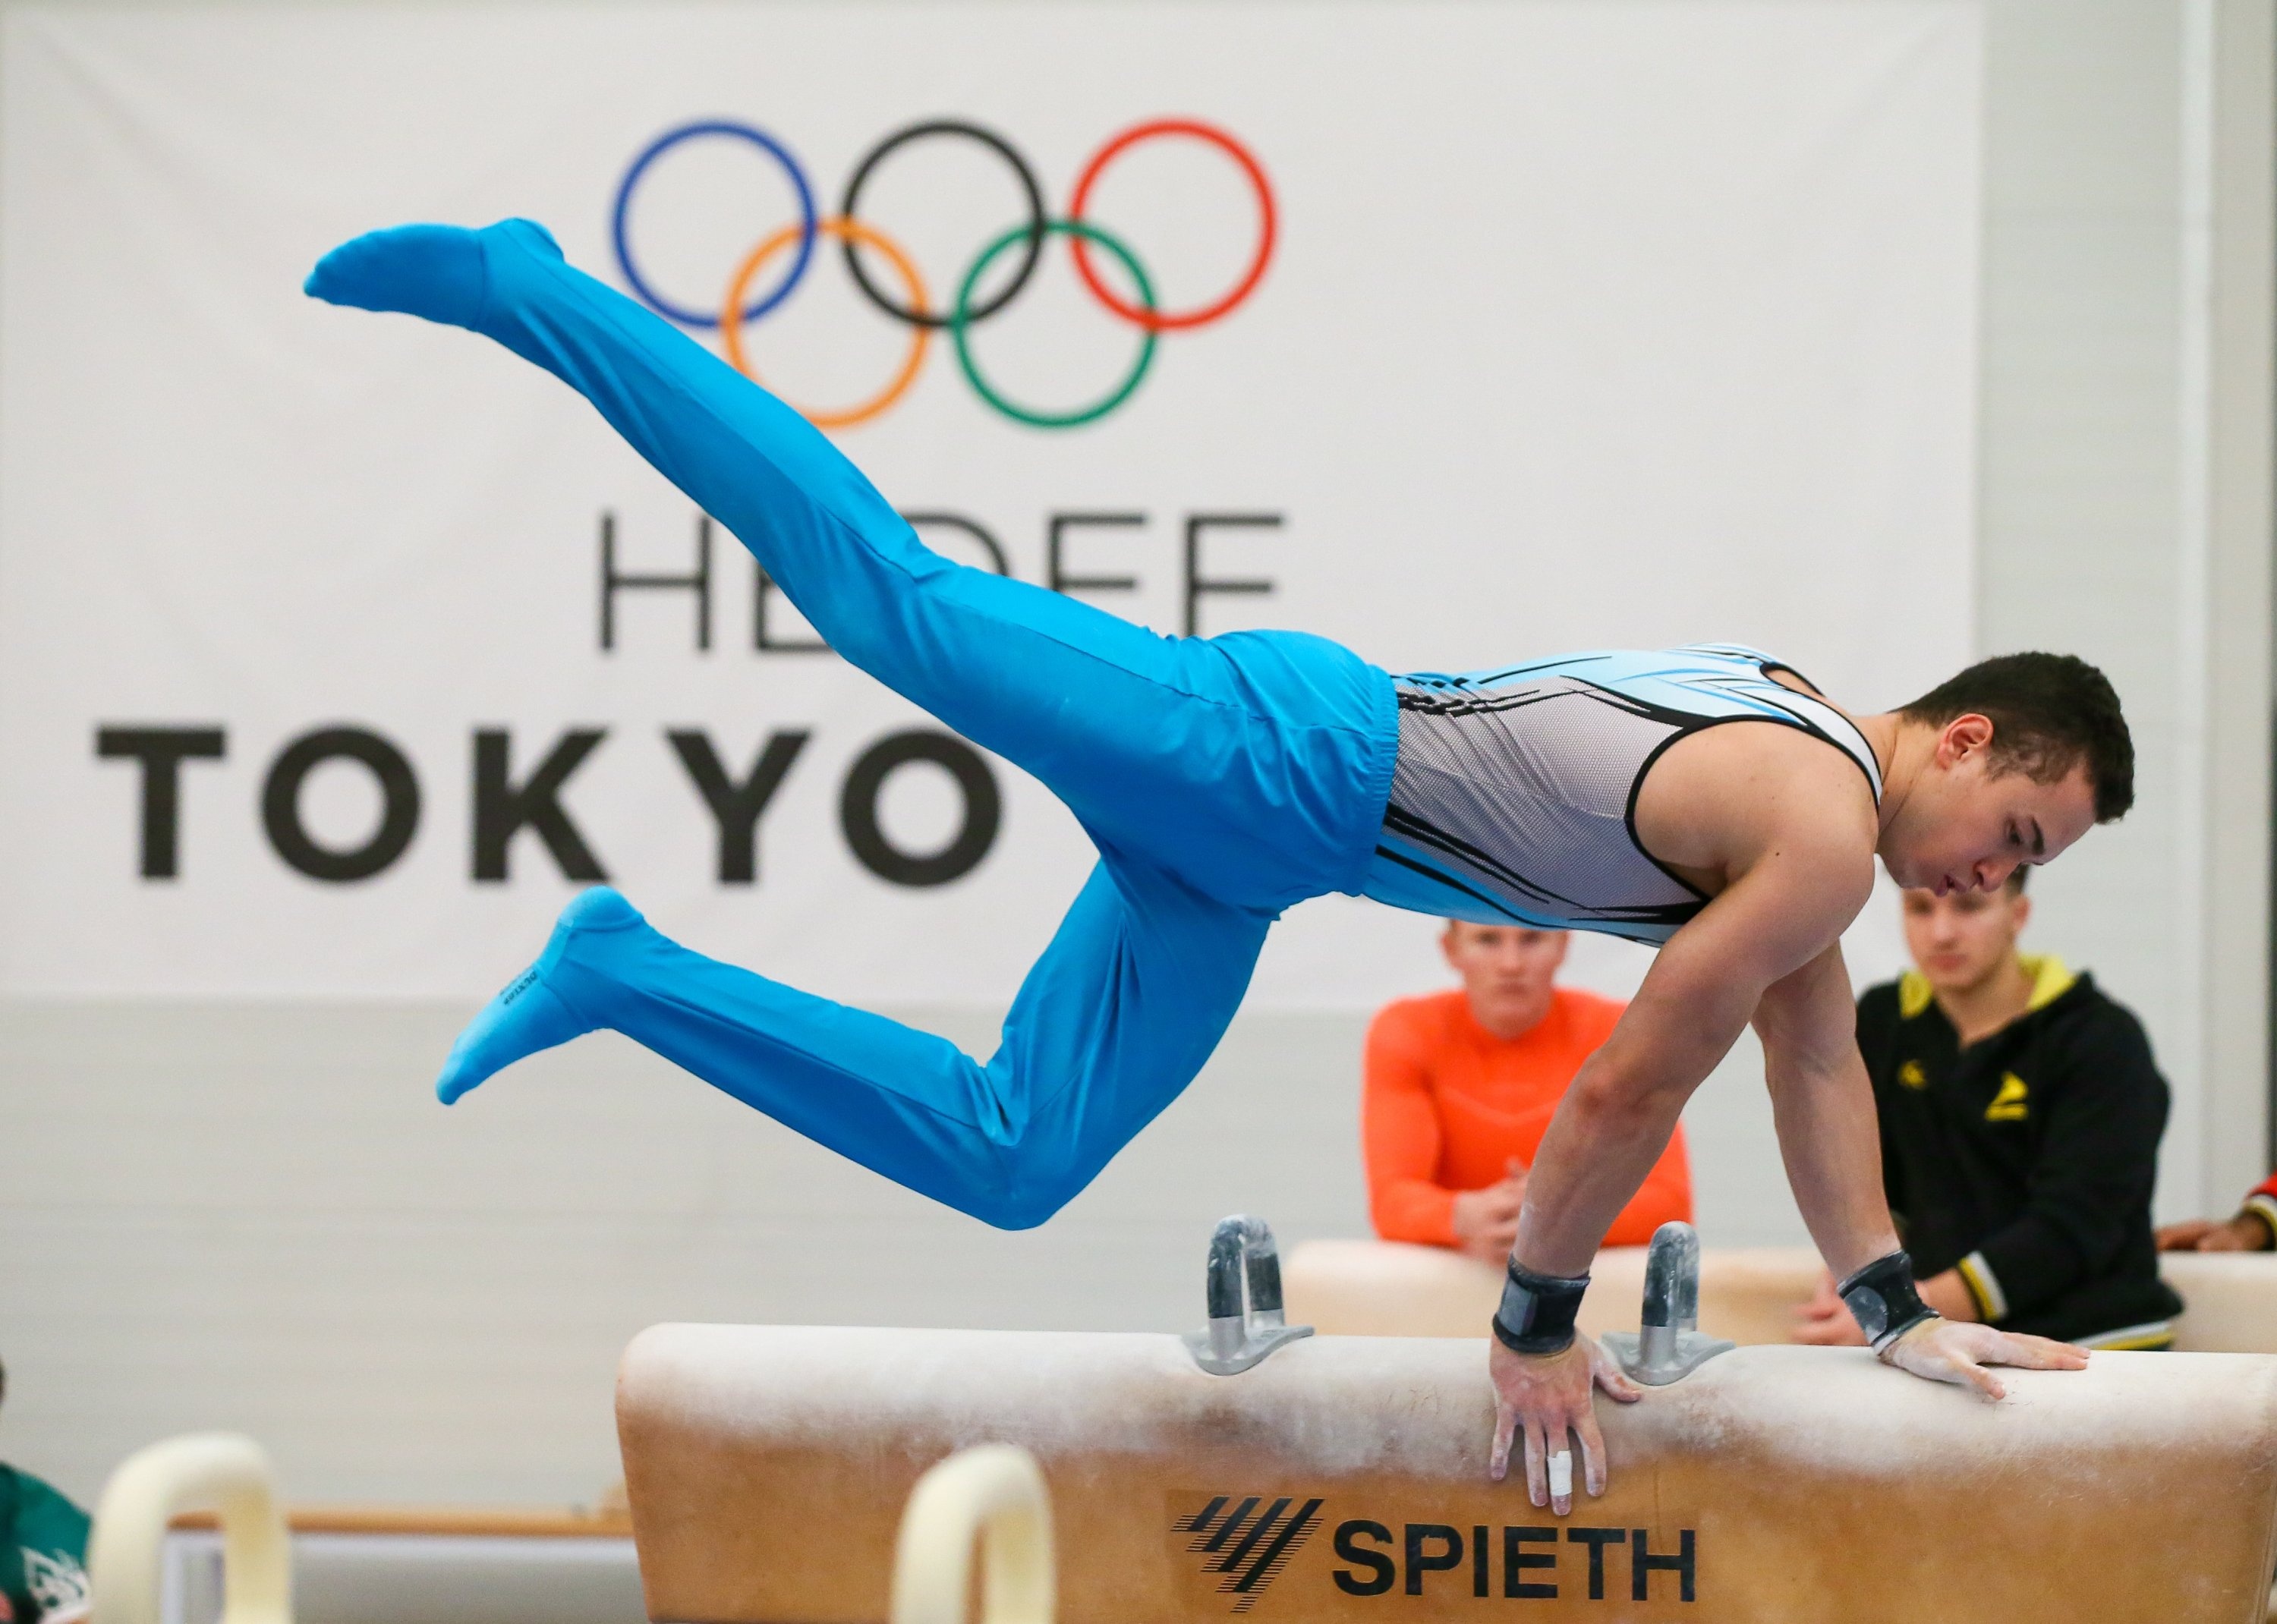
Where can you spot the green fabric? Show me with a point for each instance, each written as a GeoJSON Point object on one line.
{"type": "Point", "coordinates": [42, 1552]}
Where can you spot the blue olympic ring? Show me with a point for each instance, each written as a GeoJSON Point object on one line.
{"type": "Point", "coordinates": [809, 224]}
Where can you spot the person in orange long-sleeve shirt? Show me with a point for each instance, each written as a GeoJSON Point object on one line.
{"type": "Point", "coordinates": [1460, 1087]}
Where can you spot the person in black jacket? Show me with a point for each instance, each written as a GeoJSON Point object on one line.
{"type": "Point", "coordinates": [2021, 1112]}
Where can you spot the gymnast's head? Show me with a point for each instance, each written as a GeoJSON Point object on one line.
{"type": "Point", "coordinates": [2008, 762]}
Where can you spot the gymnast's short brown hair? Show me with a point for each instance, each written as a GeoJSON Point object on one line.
{"type": "Point", "coordinates": [2050, 713]}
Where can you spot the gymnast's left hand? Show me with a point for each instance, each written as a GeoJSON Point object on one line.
{"type": "Point", "coordinates": [1545, 1397]}
{"type": "Point", "coordinates": [1947, 1350]}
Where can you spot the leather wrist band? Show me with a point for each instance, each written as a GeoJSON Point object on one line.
{"type": "Point", "coordinates": [1882, 1299]}
{"type": "Point", "coordinates": [1537, 1310]}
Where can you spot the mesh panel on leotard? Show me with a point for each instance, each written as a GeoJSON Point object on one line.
{"type": "Point", "coordinates": [1512, 796]}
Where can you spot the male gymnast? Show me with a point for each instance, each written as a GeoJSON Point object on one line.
{"type": "Point", "coordinates": [1223, 779]}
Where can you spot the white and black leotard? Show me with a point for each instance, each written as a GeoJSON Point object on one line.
{"type": "Point", "coordinates": [1513, 801]}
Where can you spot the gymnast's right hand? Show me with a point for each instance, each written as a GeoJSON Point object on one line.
{"type": "Point", "coordinates": [1544, 1397]}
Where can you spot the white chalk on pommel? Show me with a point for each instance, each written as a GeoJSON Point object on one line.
{"type": "Point", "coordinates": [1772, 1485]}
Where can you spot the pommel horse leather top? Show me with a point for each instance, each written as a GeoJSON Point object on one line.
{"type": "Point", "coordinates": [1345, 1478]}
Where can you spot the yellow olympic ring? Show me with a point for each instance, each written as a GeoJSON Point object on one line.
{"type": "Point", "coordinates": [731, 329]}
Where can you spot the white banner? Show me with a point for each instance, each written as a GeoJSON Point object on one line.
{"type": "Point", "coordinates": [337, 650]}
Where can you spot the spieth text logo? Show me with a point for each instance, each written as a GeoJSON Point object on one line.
{"type": "Point", "coordinates": [914, 306]}
{"type": "Point", "coordinates": [1249, 1546]}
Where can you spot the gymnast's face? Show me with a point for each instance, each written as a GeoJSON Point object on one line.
{"type": "Point", "coordinates": [1970, 818]}
{"type": "Point", "coordinates": [1507, 972]}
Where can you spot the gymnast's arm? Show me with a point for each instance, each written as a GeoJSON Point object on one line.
{"type": "Point", "coordinates": [1792, 899]}
{"type": "Point", "coordinates": [1823, 1105]}
{"type": "Point", "coordinates": [1823, 1102]}
{"type": "Point", "coordinates": [1702, 990]}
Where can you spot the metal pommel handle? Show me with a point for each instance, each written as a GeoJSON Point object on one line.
{"type": "Point", "coordinates": [1242, 1293]}
{"type": "Point", "coordinates": [219, 1472]}
{"type": "Point", "coordinates": [1668, 1345]}
{"type": "Point", "coordinates": [994, 1493]}
{"type": "Point", "coordinates": [1671, 1291]}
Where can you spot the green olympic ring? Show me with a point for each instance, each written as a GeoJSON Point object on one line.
{"type": "Point", "coordinates": [960, 321]}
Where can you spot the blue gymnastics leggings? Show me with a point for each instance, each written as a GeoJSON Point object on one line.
{"type": "Point", "coordinates": [1221, 780]}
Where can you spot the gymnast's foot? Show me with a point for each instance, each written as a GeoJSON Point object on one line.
{"type": "Point", "coordinates": [441, 272]}
{"type": "Point", "coordinates": [532, 1013]}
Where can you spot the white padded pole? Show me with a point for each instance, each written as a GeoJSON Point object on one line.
{"type": "Point", "coordinates": [221, 1472]}
{"type": "Point", "coordinates": [995, 1493]}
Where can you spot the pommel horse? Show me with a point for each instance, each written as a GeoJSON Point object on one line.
{"type": "Point", "coordinates": [1345, 1478]}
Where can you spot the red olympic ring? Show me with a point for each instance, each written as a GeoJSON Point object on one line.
{"type": "Point", "coordinates": [1162, 320]}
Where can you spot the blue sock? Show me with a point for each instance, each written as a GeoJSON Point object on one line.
{"type": "Point", "coordinates": [440, 272]}
{"type": "Point", "coordinates": [537, 1011]}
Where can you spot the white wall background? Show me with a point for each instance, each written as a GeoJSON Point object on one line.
{"type": "Point", "coordinates": [1696, 316]}
{"type": "Point", "coordinates": [242, 1215]}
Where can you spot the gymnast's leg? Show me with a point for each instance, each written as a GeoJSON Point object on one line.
{"type": "Point", "coordinates": [1114, 1020]}
{"type": "Point", "coordinates": [1223, 779]}
{"type": "Point", "coordinates": [1254, 766]}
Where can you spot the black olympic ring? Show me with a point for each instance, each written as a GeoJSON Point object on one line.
{"type": "Point", "coordinates": [1029, 258]}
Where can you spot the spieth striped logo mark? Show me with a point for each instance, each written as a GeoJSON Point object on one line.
{"type": "Point", "coordinates": [1248, 1547]}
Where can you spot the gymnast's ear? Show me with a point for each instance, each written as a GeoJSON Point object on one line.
{"type": "Point", "coordinates": [1969, 733]}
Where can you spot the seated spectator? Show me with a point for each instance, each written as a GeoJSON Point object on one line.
{"type": "Point", "coordinates": [2020, 1112]}
{"type": "Point", "coordinates": [2253, 1228]}
{"type": "Point", "coordinates": [1460, 1087]}
{"type": "Point", "coordinates": [42, 1550]}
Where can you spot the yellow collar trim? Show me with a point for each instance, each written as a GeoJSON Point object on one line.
{"type": "Point", "coordinates": [2051, 978]}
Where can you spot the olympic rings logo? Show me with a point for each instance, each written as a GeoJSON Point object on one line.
{"type": "Point", "coordinates": [911, 301]}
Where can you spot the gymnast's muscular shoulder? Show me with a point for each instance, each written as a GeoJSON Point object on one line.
{"type": "Point", "coordinates": [1770, 801]}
